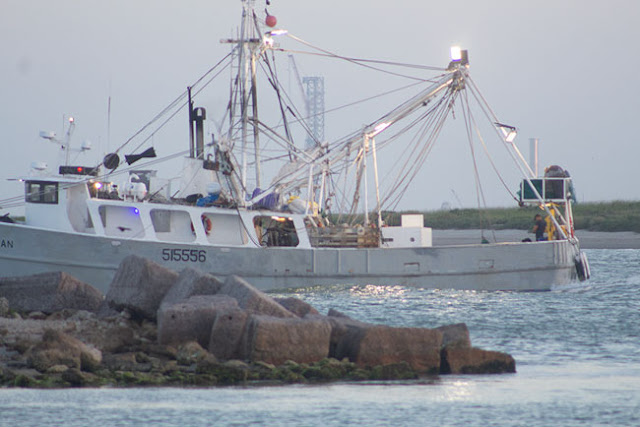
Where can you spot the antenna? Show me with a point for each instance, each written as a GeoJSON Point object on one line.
{"type": "Point", "coordinates": [109, 123]}
{"type": "Point", "coordinates": [109, 118]}
{"type": "Point", "coordinates": [66, 143]}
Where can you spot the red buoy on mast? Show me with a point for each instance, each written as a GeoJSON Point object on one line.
{"type": "Point", "coordinates": [271, 21]}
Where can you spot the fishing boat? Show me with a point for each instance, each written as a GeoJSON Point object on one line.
{"type": "Point", "coordinates": [315, 222]}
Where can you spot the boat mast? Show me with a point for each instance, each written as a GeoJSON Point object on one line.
{"type": "Point", "coordinates": [249, 41]}
{"type": "Point", "coordinates": [67, 140]}
{"type": "Point", "coordinates": [254, 101]}
{"type": "Point", "coordinates": [245, 81]}
{"type": "Point", "coordinates": [247, 8]}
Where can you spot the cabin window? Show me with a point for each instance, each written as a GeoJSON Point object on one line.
{"type": "Point", "coordinates": [172, 225]}
{"type": "Point", "coordinates": [224, 229]}
{"type": "Point", "coordinates": [121, 221]}
{"type": "Point", "coordinates": [41, 192]}
{"type": "Point", "coordinates": [275, 231]}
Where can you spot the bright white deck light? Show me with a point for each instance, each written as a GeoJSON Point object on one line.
{"type": "Point", "coordinates": [456, 53]}
{"type": "Point", "coordinates": [278, 32]}
{"type": "Point", "coordinates": [379, 128]}
{"type": "Point", "coordinates": [511, 136]}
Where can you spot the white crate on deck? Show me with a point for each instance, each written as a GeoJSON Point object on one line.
{"type": "Point", "coordinates": [411, 233]}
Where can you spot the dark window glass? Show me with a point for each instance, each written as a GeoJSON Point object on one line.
{"type": "Point", "coordinates": [41, 192]}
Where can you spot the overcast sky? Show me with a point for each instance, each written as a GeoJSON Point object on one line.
{"type": "Point", "coordinates": [564, 71]}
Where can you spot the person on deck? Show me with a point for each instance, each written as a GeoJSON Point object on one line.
{"type": "Point", "coordinates": [539, 227]}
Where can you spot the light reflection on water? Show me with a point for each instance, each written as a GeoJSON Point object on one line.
{"type": "Point", "coordinates": [577, 350]}
{"type": "Point", "coordinates": [539, 395]}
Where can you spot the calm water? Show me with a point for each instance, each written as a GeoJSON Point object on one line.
{"type": "Point", "coordinates": [577, 350]}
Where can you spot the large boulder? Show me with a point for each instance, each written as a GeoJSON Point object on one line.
{"type": "Point", "coordinates": [191, 282]}
{"type": "Point", "coordinates": [191, 320]}
{"type": "Point", "coordinates": [275, 340]}
{"type": "Point", "coordinates": [251, 299]}
{"type": "Point", "coordinates": [471, 360]}
{"type": "Point", "coordinates": [227, 333]}
{"type": "Point", "coordinates": [297, 306]}
{"type": "Point", "coordinates": [456, 335]}
{"type": "Point", "coordinates": [336, 313]}
{"type": "Point", "coordinates": [49, 292]}
{"type": "Point", "coordinates": [342, 326]}
{"type": "Point", "coordinates": [373, 345]}
{"type": "Point", "coordinates": [139, 286]}
{"type": "Point", "coordinates": [58, 348]}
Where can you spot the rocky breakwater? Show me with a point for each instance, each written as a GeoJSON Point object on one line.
{"type": "Point", "coordinates": [156, 326]}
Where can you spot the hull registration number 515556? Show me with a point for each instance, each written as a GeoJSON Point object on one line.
{"type": "Point", "coordinates": [184, 255]}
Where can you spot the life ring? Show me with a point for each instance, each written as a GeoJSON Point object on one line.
{"type": "Point", "coordinates": [206, 223]}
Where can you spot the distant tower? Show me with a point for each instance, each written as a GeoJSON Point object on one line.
{"type": "Point", "coordinates": [315, 101]}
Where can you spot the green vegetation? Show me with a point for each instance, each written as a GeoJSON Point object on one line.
{"type": "Point", "coordinates": [609, 216]}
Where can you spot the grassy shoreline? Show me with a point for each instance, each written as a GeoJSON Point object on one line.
{"type": "Point", "coordinates": [603, 216]}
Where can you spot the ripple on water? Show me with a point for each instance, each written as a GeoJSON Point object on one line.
{"type": "Point", "coordinates": [577, 350]}
{"type": "Point", "coordinates": [594, 320]}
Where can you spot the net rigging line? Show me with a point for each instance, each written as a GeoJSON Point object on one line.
{"type": "Point", "coordinates": [175, 103]}
{"type": "Point", "coordinates": [490, 158]}
{"type": "Point", "coordinates": [340, 145]}
{"type": "Point", "coordinates": [275, 82]}
{"type": "Point", "coordinates": [480, 197]}
{"type": "Point", "coordinates": [361, 62]}
{"type": "Point", "coordinates": [406, 176]}
{"type": "Point", "coordinates": [344, 169]}
{"type": "Point", "coordinates": [357, 60]}
{"type": "Point", "coordinates": [491, 116]}
{"type": "Point", "coordinates": [287, 103]}
{"type": "Point", "coordinates": [291, 107]}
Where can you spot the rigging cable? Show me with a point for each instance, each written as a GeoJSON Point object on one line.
{"type": "Point", "coordinates": [437, 122]}
{"type": "Point", "coordinates": [493, 119]}
{"type": "Point", "coordinates": [493, 165]}
{"type": "Point", "coordinates": [481, 200]}
{"type": "Point", "coordinates": [356, 61]}
{"type": "Point", "coordinates": [170, 106]}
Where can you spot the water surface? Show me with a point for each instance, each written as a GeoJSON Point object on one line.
{"type": "Point", "coordinates": [577, 350]}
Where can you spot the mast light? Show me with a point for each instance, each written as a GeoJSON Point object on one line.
{"type": "Point", "coordinates": [278, 32]}
{"type": "Point", "coordinates": [379, 128]}
{"type": "Point", "coordinates": [509, 132]}
{"type": "Point", "coordinates": [456, 53]}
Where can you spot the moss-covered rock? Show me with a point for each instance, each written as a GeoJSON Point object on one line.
{"type": "Point", "coordinates": [395, 371]}
{"type": "Point", "coordinates": [191, 352]}
{"type": "Point", "coordinates": [230, 372]}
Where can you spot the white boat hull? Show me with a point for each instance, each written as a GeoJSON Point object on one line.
{"type": "Point", "coordinates": [538, 266]}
